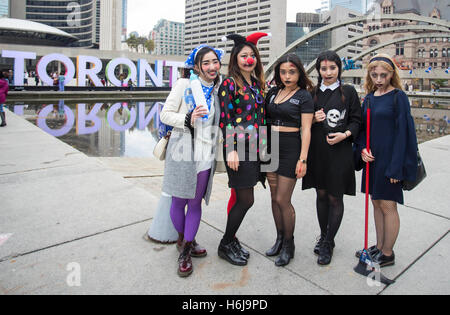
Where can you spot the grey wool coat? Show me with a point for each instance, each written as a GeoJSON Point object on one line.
{"type": "Point", "coordinates": [180, 174]}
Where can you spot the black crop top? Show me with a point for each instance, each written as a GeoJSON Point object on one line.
{"type": "Point", "coordinates": [288, 113]}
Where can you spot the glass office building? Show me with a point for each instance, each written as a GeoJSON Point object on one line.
{"type": "Point", "coordinates": [305, 24]}
{"type": "Point", "coordinates": [168, 37]}
{"type": "Point", "coordinates": [207, 21]}
{"type": "Point", "coordinates": [356, 5]}
{"type": "Point", "coordinates": [4, 8]}
{"type": "Point", "coordinates": [74, 17]}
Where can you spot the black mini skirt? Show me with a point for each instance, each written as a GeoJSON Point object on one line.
{"type": "Point", "coordinates": [248, 174]}
{"type": "Point", "coordinates": [289, 152]}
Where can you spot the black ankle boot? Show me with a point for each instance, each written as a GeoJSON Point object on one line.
{"type": "Point", "coordinates": [286, 253]}
{"type": "Point", "coordinates": [325, 253]}
{"type": "Point", "coordinates": [275, 250]}
{"type": "Point", "coordinates": [231, 253]}
{"type": "Point", "coordinates": [319, 244]}
{"type": "Point", "coordinates": [244, 253]}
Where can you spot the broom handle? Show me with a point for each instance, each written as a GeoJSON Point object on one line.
{"type": "Point", "coordinates": [366, 235]}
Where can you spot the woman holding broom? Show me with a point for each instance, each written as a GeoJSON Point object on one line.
{"type": "Point", "coordinates": [391, 159]}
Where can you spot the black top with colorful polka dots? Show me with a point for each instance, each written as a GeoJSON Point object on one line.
{"type": "Point", "coordinates": [242, 113]}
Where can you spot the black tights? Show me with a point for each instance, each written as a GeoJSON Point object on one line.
{"type": "Point", "coordinates": [330, 211]}
{"type": "Point", "coordinates": [281, 189]}
{"type": "Point", "coordinates": [244, 201]}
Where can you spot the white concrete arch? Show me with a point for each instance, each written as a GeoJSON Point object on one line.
{"type": "Point", "coordinates": [406, 28]}
{"type": "Point", "coordinates": [403, 17]}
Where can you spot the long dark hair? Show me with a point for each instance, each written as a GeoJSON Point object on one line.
{"type": "Point", "coordinates": [303, 82]}
{"type": "Point", "coordinates": [235, 72]}
{"type": "Point", "coordinates": [332, 56]}
{"type": "Point", "coordinates": [198, 61]}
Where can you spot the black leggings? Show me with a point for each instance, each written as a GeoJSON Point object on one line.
{"type": "Point", "coordinates": [244, 201]}
{"type": "Point", "coordinates": [330, 211]}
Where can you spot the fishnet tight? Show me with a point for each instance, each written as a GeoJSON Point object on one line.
{"type": "Point", "coordinates": [387, 224]}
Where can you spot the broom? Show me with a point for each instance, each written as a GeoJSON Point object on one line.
{"type": "Point", "coordinates": [366, 266]}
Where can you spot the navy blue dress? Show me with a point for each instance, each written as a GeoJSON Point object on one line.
{"type": "Point", "coordinates": [390, 135]}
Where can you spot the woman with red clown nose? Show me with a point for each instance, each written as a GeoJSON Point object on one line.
{"type": "Point", "coordinates": [242, 106]}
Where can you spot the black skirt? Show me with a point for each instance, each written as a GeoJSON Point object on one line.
{"type": "Point", "coordinates": [289, 152]}
{"type": "Point", "coordinates": [248, 174]}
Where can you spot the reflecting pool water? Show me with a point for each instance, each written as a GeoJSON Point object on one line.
{"type": "Point", "coordinates": [130, 129]}
{"type": "Point", "coordinates": [99, 129]}
{"type": "Point", "coordinates": [431, 117]}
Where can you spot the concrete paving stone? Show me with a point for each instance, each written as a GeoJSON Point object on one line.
{"type": "Point", "coordinates": [432, 194]}
{"type": "Point", "coordinates": [43, 204]}
{"type": "Point", "coordinates": [51, 206]}
{"type": "Point", "coordinates": [58, 206]}
{"type": "Point", "coordinates": [25, 147]}
{"type": "Point", "coordinates": [418, 231]}
{"type": "Point", "coordinates": [428, 276]}
{"type": "Point", "coordinates": [121, 262]}
{"type": "Point", "coordinates": [134, 167]}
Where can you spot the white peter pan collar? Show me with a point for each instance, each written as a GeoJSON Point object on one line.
{"type": "Point", "coordinates": [332, 87]}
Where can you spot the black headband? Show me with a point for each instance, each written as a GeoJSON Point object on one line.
{"type": "Point", "coordinates": [387, 60]}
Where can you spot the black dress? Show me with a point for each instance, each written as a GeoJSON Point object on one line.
{"type": "Point", "coordinates": [242, 115]}
{"type": "Point", "coordinates": [331, 167]}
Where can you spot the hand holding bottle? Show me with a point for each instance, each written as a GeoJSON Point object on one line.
{"type": "Point", "coordinates": [199, 112]}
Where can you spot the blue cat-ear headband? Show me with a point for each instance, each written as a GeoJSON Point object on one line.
{"type": "Point", "coordinates": [189, 64]}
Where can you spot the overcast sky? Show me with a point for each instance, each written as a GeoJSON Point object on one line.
{"type": "Point", "coordinates": [144, 14]}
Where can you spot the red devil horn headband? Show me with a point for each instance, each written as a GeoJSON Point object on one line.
{"type": "Point", "coordinates": [253, 38]}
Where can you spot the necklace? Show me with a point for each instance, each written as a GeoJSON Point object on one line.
{"type": "Point", "coordinates": [289, 94]}
{"type": "Point", "coordinates": [258, 96]}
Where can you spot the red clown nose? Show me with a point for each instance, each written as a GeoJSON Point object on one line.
{"type": "Point", "coordinates": [250, 61]}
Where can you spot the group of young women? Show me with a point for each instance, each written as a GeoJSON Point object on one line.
{"type": "Point", "coordinates": [315, 128]}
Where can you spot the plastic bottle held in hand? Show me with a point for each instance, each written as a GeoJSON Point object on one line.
{"type": "Point", "coordinates": [197, 91]}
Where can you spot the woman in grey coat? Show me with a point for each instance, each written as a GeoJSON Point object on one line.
{"type": "Point", "coordinates": [190, 158]}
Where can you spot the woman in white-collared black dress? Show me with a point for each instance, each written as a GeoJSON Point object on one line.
{"type": "Point", "coordinates": [331, 168]}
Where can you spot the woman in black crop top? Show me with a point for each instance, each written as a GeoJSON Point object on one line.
{"type": "Point", "coordinates": [330, 162]}
{"type": "Point", "coordinates": [289, 108]}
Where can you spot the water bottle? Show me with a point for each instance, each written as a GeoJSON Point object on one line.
{"type": "Point", "coordinates": [197, 91]}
